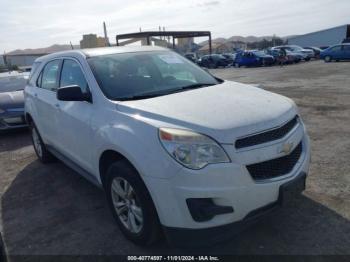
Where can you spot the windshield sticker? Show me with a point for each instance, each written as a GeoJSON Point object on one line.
{"type": "Point", "coordinates": [170, 59]}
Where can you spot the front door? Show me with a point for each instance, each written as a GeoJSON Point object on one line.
{"type": "Point", "coordinates": [74, 117]}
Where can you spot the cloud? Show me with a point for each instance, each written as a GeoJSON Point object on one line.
{"type": "Point", "coordinates": [40, 23]}
{"type": "Point", "coordinates": [209, 3]}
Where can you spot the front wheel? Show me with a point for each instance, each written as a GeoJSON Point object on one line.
{"type": "Point", "coordinates": [328, 59]}
{"type": "Point", "coordinates": [39, 147]}
{"type": "Point", "coordinates": [131, 204]}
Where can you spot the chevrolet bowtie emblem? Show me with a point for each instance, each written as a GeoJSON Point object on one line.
{"type": "Point", "coordinates": [287, 148]}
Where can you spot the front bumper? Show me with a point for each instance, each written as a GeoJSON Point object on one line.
{"type": "Point", "coordinates": [208, 236]}
{"type": "Point", "coordinates": [227, 184]}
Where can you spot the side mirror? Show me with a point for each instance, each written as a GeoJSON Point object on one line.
{"type": "Point", "coordinates": [72, 93]}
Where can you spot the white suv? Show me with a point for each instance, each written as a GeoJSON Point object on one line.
{"type": "Point", "coordinates": [176, 150]}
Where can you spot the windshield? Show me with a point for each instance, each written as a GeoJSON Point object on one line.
{"type": "Point", "coordinates": [296, 48]}
{"type": "Point", "coordinates": [10, 83]}
{"type": "Point", "coordinates": [129, 76]}
{"type": "Point", "coordinates": [259, 53]}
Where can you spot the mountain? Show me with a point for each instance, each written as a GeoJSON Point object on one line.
{"type": "Point", "coordinates": [245, 39]}
{"type": "Point", "coordinates": [45, 50]}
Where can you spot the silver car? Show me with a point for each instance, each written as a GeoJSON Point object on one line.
{"type": "Point", "coordinates": [12, 100]}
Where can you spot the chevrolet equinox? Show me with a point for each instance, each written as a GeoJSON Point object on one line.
{"type": "Point", "coordinates": [177, 151]}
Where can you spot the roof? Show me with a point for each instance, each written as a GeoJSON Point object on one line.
{"type": "Point", "coordinates": [176, 34]}
{"type": "Point", "coordinates": [90, 52]}
{"type": "Point", "coordinates": [319, 31]}
{"type": "Point", "coordinates": [120, 49]}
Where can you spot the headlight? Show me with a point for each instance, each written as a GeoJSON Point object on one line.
{"type": "Point", "coordinates": [191, 149]}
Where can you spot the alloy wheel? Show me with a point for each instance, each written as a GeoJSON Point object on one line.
{"type": "Point", "coordinates": [127, 205]}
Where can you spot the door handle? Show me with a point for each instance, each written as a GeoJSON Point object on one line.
{"type": "Point", "coordinates": [35, 94]}
{"type": "Point", "coordinates": [57, 105]}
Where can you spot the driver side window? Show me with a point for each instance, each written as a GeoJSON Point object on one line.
{"type": "Point", "coordinates": [48, 78]}
{"type": "Point", "coordinates": [72, 74]}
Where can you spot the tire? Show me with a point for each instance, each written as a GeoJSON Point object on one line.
{"type": "Point", "coordinates": [237, 65]}
{"type": "Point", "coordinates": [3, 257]}
{"type": "Point", "coordinates": [136, 215]}
{"type": "Point", "coordinates": [328, 59]}
{"type": "Point", "coordinates": [39, 147]}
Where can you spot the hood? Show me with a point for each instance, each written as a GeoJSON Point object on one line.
{"type": "Point", "coordinates": [10, 100]}
{"type": "Point", "coordinates": [224, 112]}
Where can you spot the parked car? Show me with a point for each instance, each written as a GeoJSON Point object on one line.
{"type": "Point", "coordinates": [316, 50]}
{"type": "Point", "coordinates": [346, 40]}
{"type": "Point", "coordinates": [253, 58]}
{"type": "Point", "coordinates": [12, 100]}
{"type": "Point", "coordinates": [192, 57]}
{"type": "Point", "coordinates": [230, 58]}
{"type": "Point", "coordinates": [292, 57]}
{"type": "Point", "coordinates": [213, 61]}
{"type": "Point", "coordinates": [305, 53]}
{"type": "Point", "coordinates": [175, 149]}
{"type": "Point", "coordinates": [336, 53]}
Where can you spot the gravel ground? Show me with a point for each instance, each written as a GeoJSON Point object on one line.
{"type": "Point", "coordinates": [49, 209]}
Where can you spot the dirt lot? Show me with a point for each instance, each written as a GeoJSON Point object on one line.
{"type": "Point", "coordinates": [51, 210]}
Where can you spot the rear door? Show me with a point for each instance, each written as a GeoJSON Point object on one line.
{"type": "Point", "coordinates": [337, 52]}
{"type": "Point", "coordinates": [74, 117]}
{"type": "Point", "coordinates": [346, 50]}
{"type": "Point", "coordinates": [46, 102]}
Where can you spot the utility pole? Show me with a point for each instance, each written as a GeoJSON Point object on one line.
{"type": "Point", "coordinates": [105, 33]}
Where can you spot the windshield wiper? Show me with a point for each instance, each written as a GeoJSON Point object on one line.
{"type": "Point", "coordinates": [165, 92]}
{"type": "Point", "coordinates": [138, 97]}
{"type": "Point", "coordinates": [189, 87]}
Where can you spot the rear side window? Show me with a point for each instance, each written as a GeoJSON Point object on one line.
{"type": "Point", "coordinates": [72, 75]}
{"type": "Point", "coordinates": [35, 67]}
{"type": "Point", "coordinates": [346, 48]}
{"type": "Point", "coordinates": [336, 48]}
{"type": "Point", "coordinates": [49, 78]}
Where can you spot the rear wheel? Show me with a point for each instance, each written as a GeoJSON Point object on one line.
{"type": "Point", "coordinates": [39, 147]}
{"type": "Point", "coordinates": [131, 204]}
{"type": "Point", "coordinates": [328, 59]}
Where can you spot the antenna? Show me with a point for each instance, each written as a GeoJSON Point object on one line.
{"type": "Point", "coordinates": [71, 45]}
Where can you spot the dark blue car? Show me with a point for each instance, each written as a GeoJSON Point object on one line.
{"type": "Point", "coordinates": [253, 58]}
{"type": "Point", "coordinates": [336, 53]}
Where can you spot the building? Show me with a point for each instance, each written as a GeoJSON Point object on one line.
{"type": "Point", "coordinates": [148, 37]}
{"type": "Point", "coordinates": [26, 57]}
{"type": "Point", "coordinates": [217, 48]}
{"type": "Point", "coordinates": [323, 38]}
{"type": "Point", "coordinates": [2, 62]}
{"type": "Point", "coordinates": [92, 40]}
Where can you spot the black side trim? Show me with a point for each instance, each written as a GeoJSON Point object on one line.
{"type": "Point", "coordinates": [74, 166]}
{"type": "Point", "coordinates": [204, 209]}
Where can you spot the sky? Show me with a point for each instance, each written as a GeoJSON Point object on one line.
{"type": "Point", "coordinates": [41, 23]}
